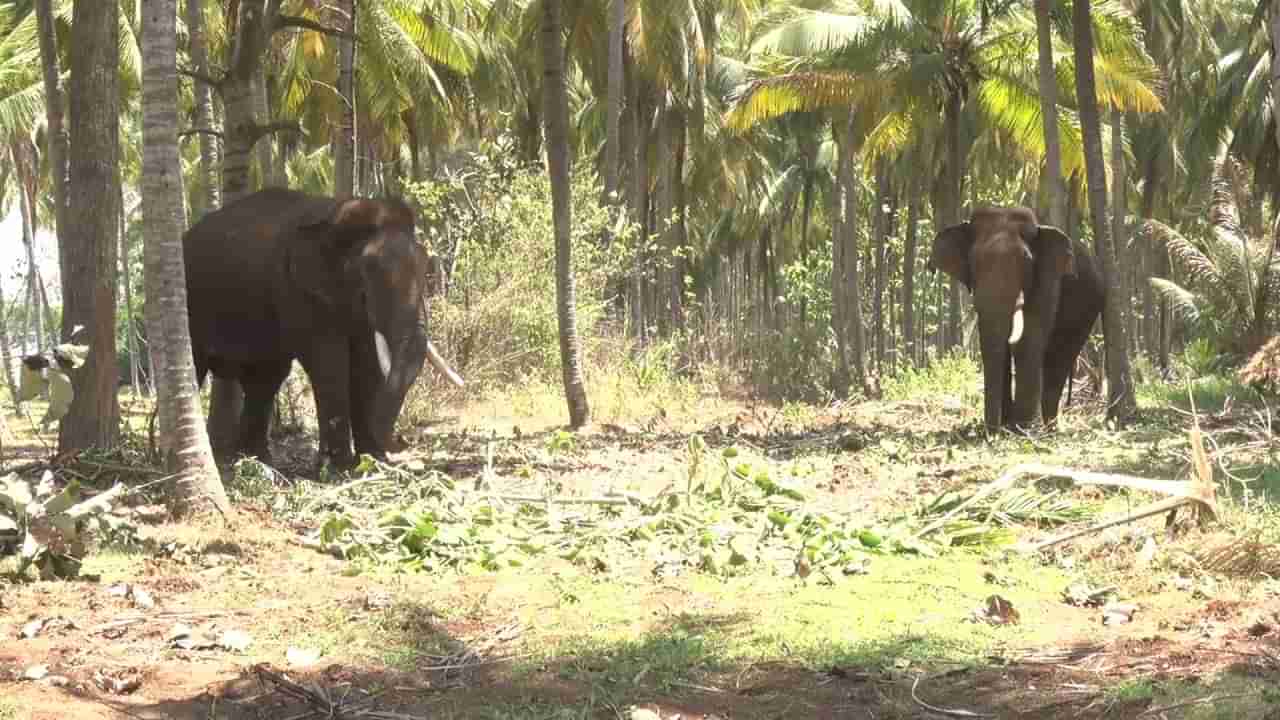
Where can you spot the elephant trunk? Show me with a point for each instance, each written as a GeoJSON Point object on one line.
{"type": "Point", "coordinates": [995, 329]}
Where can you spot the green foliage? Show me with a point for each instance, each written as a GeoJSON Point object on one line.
{"type": "Point", "coordinates": [953, 375]}
{"type": "Point", "coordinates": [50, 526]}
{"type": "Point", "coordinates": [1231, 279]}
{"type": "Point", "coordinates": [491, 224]}
{"type": "Point", "coordinates": [731, 515]}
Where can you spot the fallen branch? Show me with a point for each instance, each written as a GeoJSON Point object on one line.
{"type": "Point", "coordinates": [943, 711]}
{"type": "Point", "coordinates": [1198, 492]}
{"type": "Point", "coordinates": [1198, 701]}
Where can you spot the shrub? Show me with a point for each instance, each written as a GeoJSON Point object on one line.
{"type": "Point", "coordinates": [490, 223]}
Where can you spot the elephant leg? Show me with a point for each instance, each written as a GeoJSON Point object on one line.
{"type": "Point", "coordinates": [327, 362]}
{"type": "Point", "coordinates": [1059, 361]}
{"type": "Point", "coordinates": [1007, 391]}
{"type": "Point", "coordinates": [1029, 356]}
{"type": "Point", "coordinates": [260, 385]}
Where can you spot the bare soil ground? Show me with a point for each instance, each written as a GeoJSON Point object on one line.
{"type": "Point", "coordinates": [410, 645]}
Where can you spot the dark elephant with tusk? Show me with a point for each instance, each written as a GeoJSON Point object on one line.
{"type": "Point", "coordinates": [338, 285]}
{"type": "Point", "coordinates": [1037, 294]}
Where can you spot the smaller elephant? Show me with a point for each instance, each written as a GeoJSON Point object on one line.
{"type": "Point", "coordinates": [1037, 294]}
{"type": "Point", "coordinates": [337, 285]}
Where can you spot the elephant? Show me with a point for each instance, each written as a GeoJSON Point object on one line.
{"type": "Point", "coordinates": [279, 275]}
{"type": "Point", "coordinates": [1037, 294]}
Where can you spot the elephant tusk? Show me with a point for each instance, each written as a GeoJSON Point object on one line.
{"type": "Point", "coordinates": [1016, 334]}
{"type": "Point", "coordinates": [440, 365]}
{"type": "Point", "coordinates": [384, 353]}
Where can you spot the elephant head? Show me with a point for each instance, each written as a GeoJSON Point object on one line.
{"type": "Point", "coordinates": [359, 258]}
{"type": "Point", "coordinates": [1014, 267]}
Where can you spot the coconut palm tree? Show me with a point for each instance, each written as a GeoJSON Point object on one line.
{"type": "Point", "coordinates": [183, 439]}
{"type": "Point", "coordinates": [1121, 401]}
{"type": "Point", "coordinates": [556, 113]}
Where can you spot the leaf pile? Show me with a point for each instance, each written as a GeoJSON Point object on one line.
{"type": "Point", "coordinates": [730, 516]}
{"type": "Point", "coordinates": [50, 527]}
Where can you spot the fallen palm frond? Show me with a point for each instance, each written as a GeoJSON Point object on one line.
{"type": "Point", "coordinates": [1199, 493]}
{"type": "Point", "coordinates": [1241, 558]}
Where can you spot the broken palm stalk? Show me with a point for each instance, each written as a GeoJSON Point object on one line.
{"type": "Point", "coordinates": [1198, 492]}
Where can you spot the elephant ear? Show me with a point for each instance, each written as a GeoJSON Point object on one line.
{"type": "Point", "coordinates": [1056, 245]}
{"type": "Point", "coordinates": [951, 252]}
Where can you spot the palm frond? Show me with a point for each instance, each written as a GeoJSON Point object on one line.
{"type": "Point", "coordinates": [1183, 302]}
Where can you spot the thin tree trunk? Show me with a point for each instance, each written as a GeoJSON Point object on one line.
{"type": "Point", "coordinates": [1119, 209]}
{"type": "Point", "coordinates": [951, 209]}
{"type": "Point", "coordinates": [6, 350]}
{"type": "Point", "coordinates": [22, 161]}
{"type": "Point", "coordinates": [210, 160]}
{"type": "Point", "coordinates": [640, 202]}
{"type": "Point", "coordinates": [556, 100]}
{"type": "Point", "coordinates": [122, 267]}
{"type": "Point", "coordinates": [182, 433]}
{"type": "Point", "coordinates": [853, 289]}
{"type": "Point", "coordinates": [88, 259]}
{"type": "Point", "coordinates": [55, 135]}
{"type": "Point", "coordinates": [344, 145]}
{"type": "Point", "coordinates": [1121, 403]}
{"type": "Point", "coordinates": [839, 303]}
{"type": "Point", "coordinates": [909, 280]}
{"type": "Point", "coordinates": [1049, 116]}
{"type": "Point", "coordinates": [613, 121]}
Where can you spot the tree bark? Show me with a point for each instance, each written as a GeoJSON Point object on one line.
{"type": "Point", "coordinates": [1119, 209]}
{"type": "Point", "coordinates": [344, 145]}
{"type": "Point", "coordinates": [909, 280]}
{"type": "Point", "coordinates": [556, 112]}
{"type": "Point", "coordinates": [1049, 116]}
{"type": "Point", "coordinates": [88, 258]}
{"type": "Point", "coordinates": [1121, 403]}
{"type": "Point", "coordinates": [182, 433]}
{"type": "Point", "coordinates": [55, 135]}
{"type": "Point", "coordinates": [210, 160]}
{"type": "Point", "coordinates": [951, 208]}
{"type": "Point", "coordinates": [853, 329]}
{"type": "Point", "coordinates": [613, 122]}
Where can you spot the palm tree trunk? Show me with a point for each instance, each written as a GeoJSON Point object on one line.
{"type": "Point", "coordinates": [344, 145]}
{"type": "Point", "coordinates": [951, 208]}
{"type": "Point", "coordinates": [642, 113]}
{"type": "Point", "coordinates": [182, 434]}
{"type": "Point", "coordinates": [262, 114]}
{"type": "Point", "coordinates": [839, 303]}
{"type": "Point", "coordinates": [1121, 403]}
{"type": "Point", "coordinates": [853, 289]}
{"type": "Point", "coordinates": [1119, 210]}
{"type": "Point", "coordinates": [210, 162]}
{"type": "Point", "coordinates": [122, 267]}
{"type": "Point", "coordinates": [55, 135]}
{"type": "Point", "coordinates": [613, 121]}
{"type": "Point", "coordinates": [909, 280]}
{"type": "Point", "coordinates": [1049, 116]}
{"type": "Point", "coordinates": [88, 258]}
{"type": "Point", "coordinates": [22, 163]}
{"type": "Point", "coordinates": [556, 100]}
